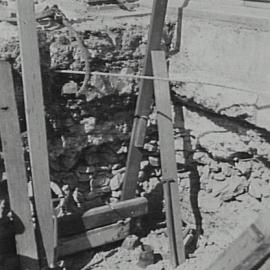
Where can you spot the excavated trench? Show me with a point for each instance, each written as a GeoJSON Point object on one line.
{"type": "Point", "coordinates": [223, 160]}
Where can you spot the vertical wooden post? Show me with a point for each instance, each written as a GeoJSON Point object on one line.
{"type": "Point", "coordinates": [15, 167]}
{"type": "Point", "coordinates": [178, 32]}
{"type": "Point", "coordinates": [168, 161]}
{"type": "Point", "coordinates": [144, 101]}
{"type": "Point", "coordinates": [35, 117]}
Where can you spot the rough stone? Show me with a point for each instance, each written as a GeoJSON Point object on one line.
{"type": "Point", "coordinates": [130, 242]}
{"type": "Point", "coordinates": [70, 88]}
{"type": "Point", "coordinates": [83, 174]}
{"type": "Point", "coordinates": [219, 176]}
{"type": "Point", "coordinates": [89, 124]}
{"type": "Point", "coordinates": [226, 169]}
{"type": "Point", "coordinates": [244, 167]}
{"type": "Point", "coordinates": [100, 183]}
{"type": "Point", "coordinates": [117, 181]}
{"type": "Point", "coordinates": [154, 161]}
{"type": "Point", "coordinates": [256, 189]}
{"type": "Point", "coordinates": [116, 194]}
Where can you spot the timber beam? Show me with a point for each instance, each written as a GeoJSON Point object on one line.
{"type": "Point", "coordinates": [145, 99]}
{"type": "Point", "coordinates": [101, 216]}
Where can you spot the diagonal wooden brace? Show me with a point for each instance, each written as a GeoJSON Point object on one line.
{"type": "Point", "coordinates": [144, 102]}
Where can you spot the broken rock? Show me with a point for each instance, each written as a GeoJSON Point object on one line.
{"type": "Point", "coordinates": [256, 189]}
{"type": "Point", "coordinates": [89, 124]}
{"type": "Point", "coordinates": [244, 167]}
{"type": "Point", "coordinates": [154, 161]}
{"type": "Point", "coordinates": [82, 173]}
{"type": "Point", "coordinates": [116, 194]}
{"type": "Point", "coordinates": [237, 185]}
{"type": "Point", "coordinates": [226, 169]}
{"type": "Point", "coordinates": [117, 180]}
{"type": "Point", "coordinates": [208, 204]}
{"type": "Point", "coordinates": [70, 88]}
{"type": "Point", "coordinates": [219, 176]}
{"type": "Point", "coordinates": [101, 183]}
{"type": "Point", "coordinates": [130, 242]}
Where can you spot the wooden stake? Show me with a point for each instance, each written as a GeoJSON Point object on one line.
{"type": "Point", "coordinates": [144, 101]}
{"type": "Point", "coordinates": [36, 122]}
{"type": "Point", "coordinates": [168, 161]}
{"type": "Point", "coordinates": [15, 166]}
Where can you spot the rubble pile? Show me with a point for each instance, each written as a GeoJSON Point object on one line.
{"type": "Point", "coordinates": [231, 159]}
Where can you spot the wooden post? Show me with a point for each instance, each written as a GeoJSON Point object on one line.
{"type": "Point", "coordinates": [144, 101]}
{"type": "Point", "coordinates": [35, 117]}
{"type": "Point", "coordinates": [168, 161]}
{"type": "Point", "coordinates": [15, 167]}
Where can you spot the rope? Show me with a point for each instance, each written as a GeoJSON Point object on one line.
{"type": "Point", "coordinates": [169, 79]}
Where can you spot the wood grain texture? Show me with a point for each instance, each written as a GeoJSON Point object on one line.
{"type": "Point", "coordinates": [255, 240]}
{"type": "Point", "coordinates": [101, 216]}
{"type": "Point", "coordinates": [94, 238]}
{"type": "Point", "coordinates": [35, 117]}
{"type": "Point", "coordinates": [254, 259]}
{"type": "Point", "coordinates": [15, 167]}
{"type": "Point", "coordinates": [168, 161]}
{"type": "Point", "coordinates": [144, 101]}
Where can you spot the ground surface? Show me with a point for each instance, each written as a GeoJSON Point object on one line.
{"type": "Point", "coordinates": [225, 210]}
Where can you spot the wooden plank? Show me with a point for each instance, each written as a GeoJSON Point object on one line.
{"type": "Point", "coordinates": [94, 238]}
{"type": "Point", "coordinates": [168, 161]}
{"type": "Point", "coordinates": [266, 265]}
{"type": "Point", "coordinates": [101, 216]}
{"type": "Point", "coordinates": [255, 237]}
{"type": "Point", "coordinates": [15, 167]}
{"type": "Point", "coordinates": [254, 259]}
{"type": "Point", "coordinates": [144, 101]}
{"type": "Point", "coordinates": [35, 117]}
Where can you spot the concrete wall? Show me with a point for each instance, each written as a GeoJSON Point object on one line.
{"type": "Point", "coordinates": [227, 45]}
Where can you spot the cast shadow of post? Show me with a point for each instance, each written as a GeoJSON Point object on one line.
{"type": "Point", "coordinates": [194, 177]}
{"type": "Point", "coordinates": [178, 29]}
